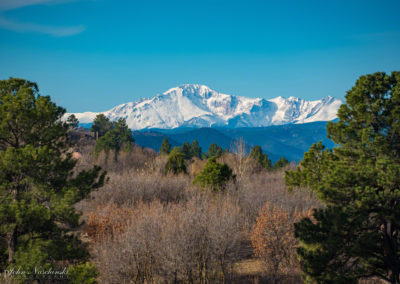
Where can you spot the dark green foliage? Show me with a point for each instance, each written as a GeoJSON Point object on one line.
{"type": "Point", "coordinates": [101, 125]}
{"type": "Point", "coordinates": [214, 175]}
{"type": "Point", "coordinates": [176, 162]}
{"type": "Point", "coordinates": [196, 149]}
{"type": "Point", "coordinates": [186, 150]}
{"type": "Point", "coordinates": [72, 121]}
{"type": "Point", "coordinates": [38, 187]}
{"type": "Point", "coordinates": [214, 151]}
{"type": "Point", "coordinates": [257, 155]}
{"type": "Point", "coordinates": [165, 146]}
{"type": "Point", "coordinates": [117, 139]}
{"type": "Point", "coordinates": [282, 162]}
{"type": "Point", "coordinates": [357, 233]}
{"type": "Point", "coordinates": [82, 273]}
{"type": "Point", "coordinates": [24, 115]}
{"type": "Point", "coordinates": [123, 134]}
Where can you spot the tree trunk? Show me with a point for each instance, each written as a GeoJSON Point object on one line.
{"type": "Point", "coordinates": [391, 253]}
{"type": "Point", "coordinates": [11, 245]}
{"type": "Point", "coordinates": [395, 277]}
{"type": "Point", "coordinates": [12, 234]}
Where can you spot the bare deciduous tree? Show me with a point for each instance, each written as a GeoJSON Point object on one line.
{"type": "Point", "coordinates": [239, 149]}
{"type": "Point", "coordinates": [273, 239]}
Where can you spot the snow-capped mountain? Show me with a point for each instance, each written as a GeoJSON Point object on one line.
{"type": "Point", "coordinates": [199, 106]}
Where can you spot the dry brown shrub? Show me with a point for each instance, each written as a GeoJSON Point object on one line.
{"type": "Point", "coordinates": [108, 222]}
{"type": "Point", "coordinates": [241, 167]}
{"type": "Point", "coordinates": [140, 159]}
{"type": "Point", "coordinates": [268, 186]}
{"type": "Point", "coordinates": [86, 160]}
{"type": "Point", "coordinates": [130, 187]}
{"type": "Point", "coordinates": [193, 242]}
{"type": "Point", "coordinates": [137, 158]}
{"type": "Point", "coordinates": [273, 239]}
{"type": "Point", "coordinates": [196, 166]}
{"type": "Point", "coordinates": [133, 254]}
{"type": "Point", "coordinates": [226, 233]}
{"type": "Point", "coordinates": [208, 233]}
{"type": "Point", "coordinates": [157, 165]}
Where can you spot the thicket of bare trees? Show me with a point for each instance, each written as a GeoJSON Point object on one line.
{"type": "Point", "coordinates": [146, 225]}
{"type": "Point", "coordinates": [197, 241]}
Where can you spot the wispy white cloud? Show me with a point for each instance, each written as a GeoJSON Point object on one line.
{"type": "Point", "coordinates": [32, 27]}
{"type": "Point", "coordinates": [59, 31]}
{"type": "Point", "coordinates": [14, 4]}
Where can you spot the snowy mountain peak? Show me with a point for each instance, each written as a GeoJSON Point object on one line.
{"type": "Point", "coordinates": [188, 88]}
{"type": "Point", "coordinates": [197, 105]}
{"type": "Point", "coordinates": [191, 90]}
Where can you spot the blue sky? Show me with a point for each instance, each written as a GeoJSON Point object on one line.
{"type": "Point", "coordinates": [95, 54]}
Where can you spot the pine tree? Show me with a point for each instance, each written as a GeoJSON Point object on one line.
{"type": "Point", "coordinates": [118, 138]}
{"type": "Point", "coordinates": [186, 150]}
{"type": "Point", "coordinates": [165, 146]}
{"type": "Point", "coordinates": [38, 186]}
{"type": "Point", "coordinates": [262, 159]}
{"type": "Point", "coordinates": [196, 149]}
{"type": "Point", "coordinates": [214, 150]}
{"type": "Point", "coordinates": [73, 121]}
{"type": "Point", "coordinates": [282, 162]}
{"type": "Point", "coordinates": [214, 175]}
{"type": "Point", "coordinates": [357, 232]}
{"type": "Point", "coordinates": [175, 162]}
{"type": "Point", "coordinates": [101, 125]}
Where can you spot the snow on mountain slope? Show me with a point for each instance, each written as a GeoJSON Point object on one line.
{"type": "Point", "coordinates": [200, 106]}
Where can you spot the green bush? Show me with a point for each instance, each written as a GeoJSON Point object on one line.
{"type": "Point", "coordinates": [282, 162]}
{"type": "Point", "coordinates": [175, 162]}
{"type": "Point", "coordinates": [84, 273]}
{"type": "Point", "coordinates": [214, 175]}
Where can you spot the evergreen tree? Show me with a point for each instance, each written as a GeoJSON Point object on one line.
{"type": "Point", "coordinates": [357, 233]}
{"type": "Point", "coordinates": [101, 125]}
{"type": "Point", "coordinates": [214, 175]}
{"type": "Point", "coordinates": [281, 163]}
{"type": "Point", "coordinates": [38, 186]}
{"type": "Point", "coordinates": [73, 121]}
{"type": "Point", "coordinates": [186, 150]}
{"type": "Point", "coordinates": [214, 151]}
{"type": "Point", "coordinates": [83, 273]}
{"type": "Point", "coordinates": [196, 149]}
{"type": "Point", "coordinates": [175, 162]}
{"type": "Point", "coordinates": [165, 146]}
{"type": "Point", "coordinates": [117, 139]}
{"type": "Point", "coordinates": [257, 155]}
{"type": "Point", "coordinates": [124, 134]}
